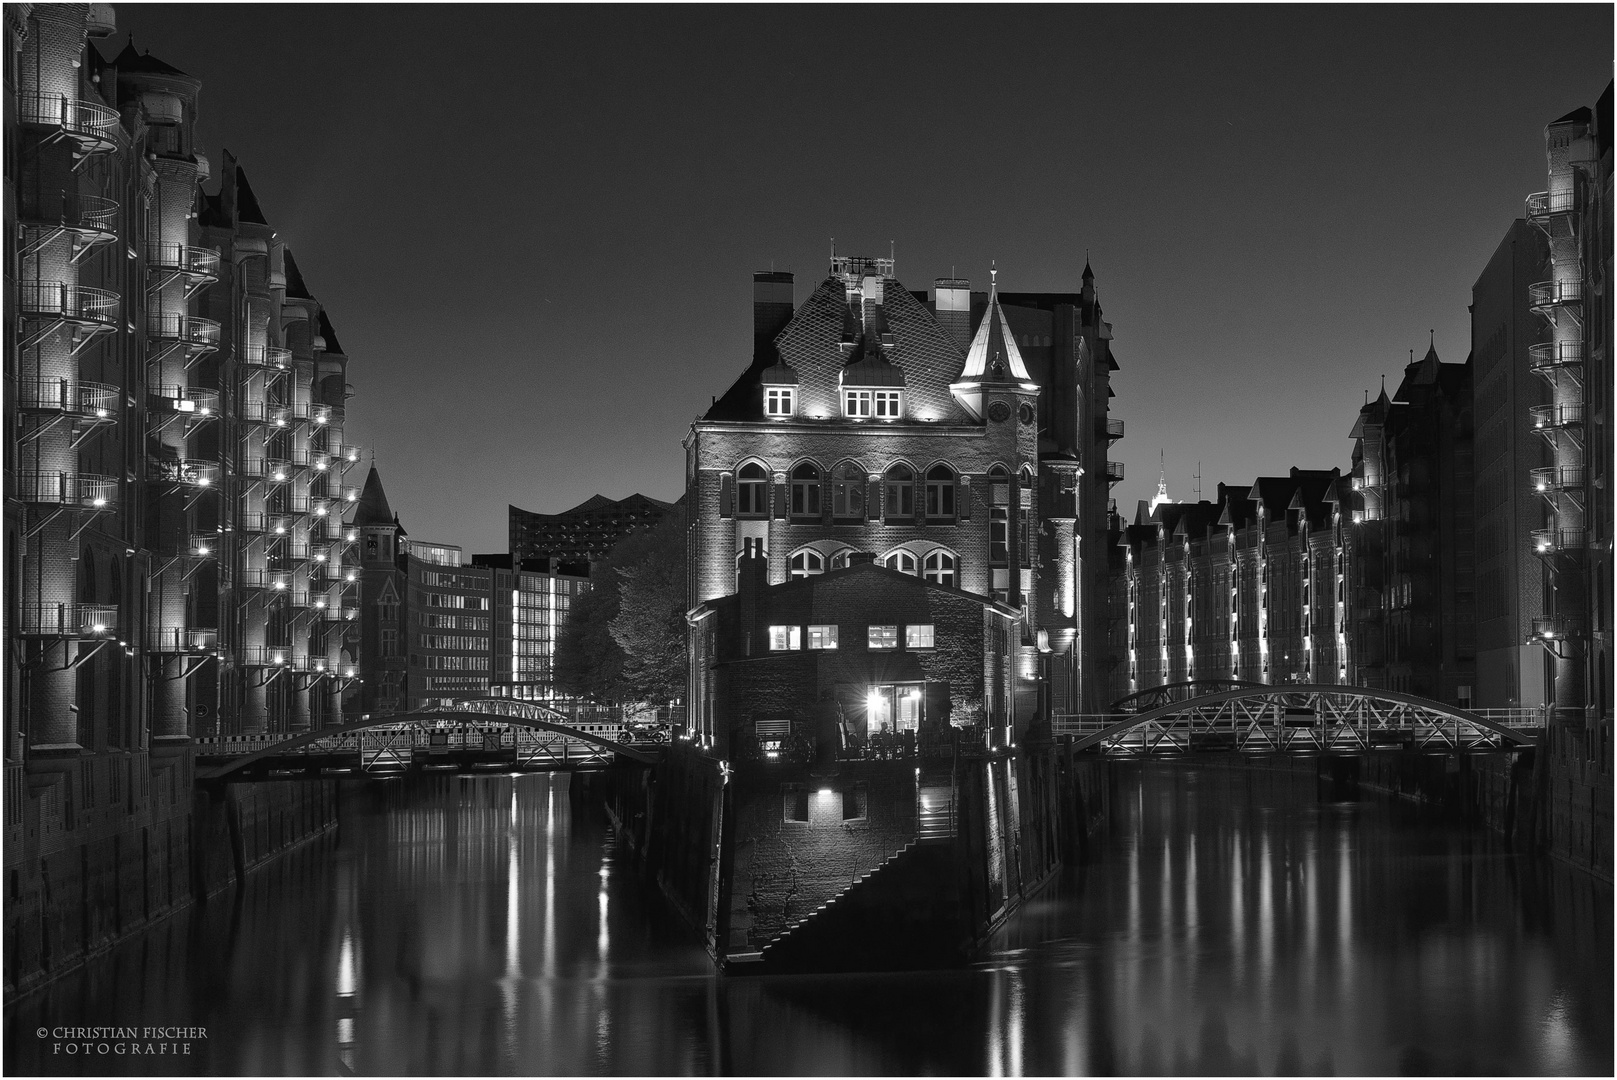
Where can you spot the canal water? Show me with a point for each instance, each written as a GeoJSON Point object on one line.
{"type": "Point", "coordinates": [1232, 924]}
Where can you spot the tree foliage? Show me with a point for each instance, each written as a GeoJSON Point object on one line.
{"type": "Point", "coordinates": [624, 640]}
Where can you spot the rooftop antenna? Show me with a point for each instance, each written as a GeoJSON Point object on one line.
{"type": "Point", "coordinates": [1198, 481]}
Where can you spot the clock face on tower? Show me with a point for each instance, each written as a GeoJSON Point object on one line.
{"type": "Point", "coordinates": [1025, 413]}
{"type": "Point", "coordinates": [999, 411]}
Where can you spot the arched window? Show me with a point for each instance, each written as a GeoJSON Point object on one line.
{"type": "Point", "coordinates": [901, 560]}
{"type": "Point", "coordinates": [839, 558]}
{"type": "Point", "coordinates": [1025, 535]}
{"type": "Point", "coordinates": [87, 594]}
{"type": "Point", "coordinates": [848, 491]}
{"type": "Point", "coordinates": [806, 490]}
{"type": "Point", "coordinates": [807, 562]}
{"type": "Point", "coordinates": [941, 569]}
{"type": "Point", "coordinates": [752, 490]}
{"type": "Point", "coordinates": [900, 485]}
{"type": "Point", "coordinates": [940, 492]}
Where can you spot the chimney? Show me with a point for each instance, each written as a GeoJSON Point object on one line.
{"type": "Point", "coordinates": [772, 303]}
{"type": "Point", "coordinates": [752, 579]}
{"type": "Point", "coordinates": [951, 302]}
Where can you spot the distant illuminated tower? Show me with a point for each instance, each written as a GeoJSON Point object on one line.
{"type": "Point", "coordinates": [1162, 483]}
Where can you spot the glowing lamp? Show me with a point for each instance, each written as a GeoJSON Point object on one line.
{"type": "Point", "coordinates": [99, 628]}
{"type": "Point", "coordinates": [185, 405]}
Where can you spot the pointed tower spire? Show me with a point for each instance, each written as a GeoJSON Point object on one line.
{"type": "Point", "coordinates": [1162, 481]}
{"type": "Point", "coordinates": [993, 353]}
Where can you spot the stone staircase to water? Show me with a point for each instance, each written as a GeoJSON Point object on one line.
{"type": "Point", "coordinates": [903, 914]}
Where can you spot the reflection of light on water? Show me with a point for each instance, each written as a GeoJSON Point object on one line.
{"type": "Point", "coordinates": [1556, 1031]}
{"type": "Point", "coordinates": [513, 916]}
{"type": "Point", "coordinates": [602, 939]}
{"type": "Point", "coordinates": [1014, 1035]}
{"type": "Point", "coordinates": [345, 966]}
{"type": "Point", "coordinates": [1266, 914]}
{"type": "Point", "coordinates": [345, 1031]}
{"type": "Point", "coordinates": [1311, 905]}
{"type": "Point", "coordinates": [1344, 909]}
{"type": "Point", "coordinates": [550, 881]}
{"type": "Point", "coordinates": [996, 1033]}
{"type": "Point", "coordinates": [1237, 910]}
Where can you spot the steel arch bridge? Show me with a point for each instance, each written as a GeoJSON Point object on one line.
{"type": "Point", "coordinates": [1304, 718]}
{"type": "Point", "coordinates": [1166, 694]}
{"type": "Point", "coordinates": [479, 735]}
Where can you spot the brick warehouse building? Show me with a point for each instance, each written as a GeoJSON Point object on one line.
{"type": "Point", "coordinates": [174, 409]}
{"type": "Point", "coordinates": [1248, 587]}
{"type": "Point", "coordinates": [874, 420]}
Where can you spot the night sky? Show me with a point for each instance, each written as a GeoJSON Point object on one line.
{"type": "Point", "coordinates": [535, 228]}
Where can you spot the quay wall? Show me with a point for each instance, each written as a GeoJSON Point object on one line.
{"type": "Point", "coordinates": [92, 860]}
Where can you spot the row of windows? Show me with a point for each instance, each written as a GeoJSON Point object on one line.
{"type": "Point", "coordinates": [462, 642]}
{"type": "Point", "coordinates": [883, 636]}
{"type": "Point", "coordinates": [781, 401]}
{"type": "Point", "coordinates": [450, 663]}
{"type": "Point", "coordinates": [451, 622]}
{"type": "Point", "coordinates": [455, 600]}
{"type": "Point", "coordinates": [806, 482]}
{"type": "Point", "coordinates": [449, 581]}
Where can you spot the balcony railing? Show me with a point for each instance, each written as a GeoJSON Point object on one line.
{"type": "Point", "coordinates": [266, 356]}
{"type": "Point", "coordinates": [1557, 478]}
{"type": "Point", "coordinates": [91, 215]}
{"type": "Point", "coordinates": [188, 473]}
{"type": "Point", "coordinates": [1114, 428]}
{"type": "Point", "coordinates": [83, 120]}
{"type": "Point", "coordinates": [278, 471]}
{"type": "Point", "coordinates": [69, 620]}
{"type": "Point", "coordinates": [1555, 541]}
{"type": "Point", "coordinates": [1557, 627]}
{"type": "Point", "coordinates": [1114, 471]}
{"type": "Point", "coordinates": [337, 613]}
{"type": "Point", "coordinates": [194, 262]}
{"type": "Point", "coordinates": [92, 400]}
{"type": "Point", "coordinates": [283, 656]}
{"type": "Point", "coordinates": [1548, 294]}
{"type": "Point", "coordinates": [1554, 354]}
{"type": "Point", "coordinates": [193, 330]}
{"type": "Point", "coordinates": [1543, 204]}
{"type": "Point", "coordinates": [193, 400]}
{"type": "Point", "coordinates": [183, 639]}
{"type": "Point", "coordinates": [67, 489]}
{"type": "Point", "coordinates": [250, 521]}
{"type": "Point", "coordinates": [75, 303]}
{"type": "Point", "coordinates": [1557, 416]}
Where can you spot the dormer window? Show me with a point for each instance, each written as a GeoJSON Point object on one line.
{"type": "Point", "coordinates": [780, 401]}
{"type": "Point", "coordinates": [880, 404]}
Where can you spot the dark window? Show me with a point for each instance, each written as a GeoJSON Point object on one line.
{"type": "Point", "coordinates": [900, 492]}
{"type": "Point", "coordinates": [806, 491]}
{"type": "Point", "coordinates": [940, 492]}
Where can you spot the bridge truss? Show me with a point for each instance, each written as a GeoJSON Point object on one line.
{"type": "Point", "coordinates": [481, 735]}
{"type": "Point", "coordinates": [1300, 719]}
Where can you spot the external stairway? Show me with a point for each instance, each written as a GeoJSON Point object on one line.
{"type": "Point", "coordinates": [903, 914]}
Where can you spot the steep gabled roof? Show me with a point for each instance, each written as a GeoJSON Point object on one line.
{"type": "Point", "coordinates": [247, 208]}
{"type": "Point", "coordinates": [332, 345]}
{"type": "Point", "coordinates": [295, 288]}
{"type": "Point", "coordinates": [373, 508]}
{"type": "Point", "coordinates": [993, 353]}
{"type": "Point", "coordinates": [146, 64]}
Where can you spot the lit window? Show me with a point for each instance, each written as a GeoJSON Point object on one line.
{"type": "Point", "coordinates": [822, 637]}
{"type": "Point", "coordinates": [752, 490]}
{"type": "Point", "coordinates": [918, 637]}
{"type": "Point", "coordinates": [940, 492]}
{"type": "Point", "coordinates": [806, 491]}
{"type": "Point", "coordinates": [856, 403]}
{"type": "Point", "coordinates": [940, 569]}
{"type": "Point", "coordinates": [999, 533]}
{"type": "Point", "coordinates": [782, 638]}
{"type": "Point", "coordinates": [883, 637]}
{"type": "Point", "coordinates": [780, 401]}
{"type": "Point", "coordinates": [886, 404]}
{"type": "Point", "coordinates": [902, 561]}
{"type": "Point", "coordinates": [807, 562]}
